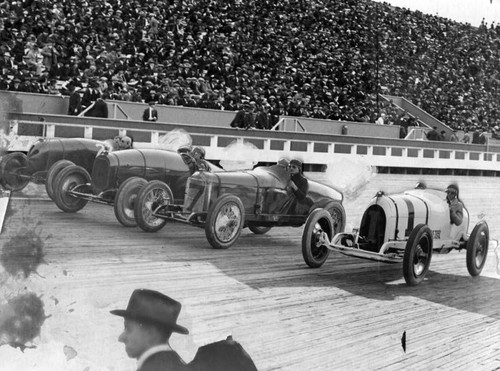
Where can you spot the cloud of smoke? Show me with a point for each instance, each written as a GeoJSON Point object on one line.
{"type": "Point", "coordinates": [347, 175]}
{"type": "Point", "coordinates": [175, 139]}
{"type": "Point", "coordinates": [241, 155]}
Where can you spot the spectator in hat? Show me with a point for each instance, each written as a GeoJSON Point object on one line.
{"type": "Point", "coordinates": [244, 118]}
{"type": "Point", "coordinates": [98, 109]}
{"type": "Point", "coordinates": [150, 113]}
{"type": "Point", "coordinates": [433, 134]}
{"type": "Point", "coordinates": [149, 321]}
{"type": "Point", "coordinates": [75, 101]}
{"type": "Point", "coordinates": [262, 118]}
{"type": "Point", "coordinates": [90, 94]}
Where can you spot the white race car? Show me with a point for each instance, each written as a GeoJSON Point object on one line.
{"type": "Point", "coordinates": [407, 227]}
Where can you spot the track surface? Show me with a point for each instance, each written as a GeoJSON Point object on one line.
{"type": "Point", "coordinates": [348, 314]}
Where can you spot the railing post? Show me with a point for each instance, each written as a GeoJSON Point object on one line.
{"type": "Point", "coordinates": [51, 130]}
{"type": "Point", "coordinates": [88, 131]}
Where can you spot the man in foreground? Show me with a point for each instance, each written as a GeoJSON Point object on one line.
{"type": "Point", "coordinates": [150, 320]}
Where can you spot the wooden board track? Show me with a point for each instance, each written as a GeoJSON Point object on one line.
{"type": "Point", "coordinates": [349, 314]}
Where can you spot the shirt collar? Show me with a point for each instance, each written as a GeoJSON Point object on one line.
{"type": "Point", "coordinates": [148, 353]}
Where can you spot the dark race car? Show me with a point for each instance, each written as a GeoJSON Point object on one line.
{"type": "Point", "coordinates": [116, 179]}
{"type": "Point", "coordinates": [400, 228]}
{"type": "Point", "coordinates": [224, 203]}
{"type": "Point", "coordinates": [46, 158]}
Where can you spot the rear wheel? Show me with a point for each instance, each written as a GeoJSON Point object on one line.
{"type": "Point", "coordinates": [67, 179]}
{"type": "Point", "coordinates": [13, 171]}
{"type": "Point", "coordinates": [418, 254]}
{"type": "Point", "coordinates": [318, 232]}
{"type": "Point", "coordinates": [337, 212]}
{"type": "Point", "coordinates": [477, 248]}
{"type": "Point", "coordinates": [225, 219]}
{"type": "Point", "coordinates": [150, 197]}
{"type": "Point", "coordinates": [258, 229]}
{"type": "Point", "coordinates": [125, 199]}
{"type": "Point", "coordinates": [52, 174]}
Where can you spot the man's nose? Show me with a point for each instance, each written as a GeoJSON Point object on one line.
{"type": "Point", "coordinates": [121, 338]}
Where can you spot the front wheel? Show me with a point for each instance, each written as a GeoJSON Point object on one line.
{"type": "Point", "coordinates": [67, 179]}
{"type": "Point", "coordinates": [477, 248]}
{"type": "Point", "coordinates": [258, 229]}
{"type": "Point", "coordinates": [418, 254]}
{"type": "Point", "coordinates": [225, 219]}
{"type": "Point", "coordinates": [125, 199]}
{"type": "Point", "coordinates": [150, 198]}
{"type": "Point", "coordinates": [52, 174]}
{"type": "Point", "coordinates": [13, 171]}
{"type": "Point", "coordinates": [318, 233]}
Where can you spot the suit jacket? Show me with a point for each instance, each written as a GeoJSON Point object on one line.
{"type": "Point", "coordinates": [164, 361]}
{"type": "Point", "coordinates": [154, 114]}
{"type": "Point", "coordinates": [75, 104]}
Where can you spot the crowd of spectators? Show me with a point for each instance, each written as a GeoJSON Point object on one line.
{"type": "Point", "coordinates": [317, 58]}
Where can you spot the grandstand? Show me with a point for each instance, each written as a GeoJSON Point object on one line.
{"type": "Point", "coordinates": [320, 59]}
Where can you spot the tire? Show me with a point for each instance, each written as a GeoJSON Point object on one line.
{"type": "Point", "coordinates": [318, 232]}
{"type": "Point", "coordinates": [418, 255]}
{"type": "Point", "coordinates": [67, 179]}
{"type": "Point", "coordinates": [125, 199]}
{"type": "Point", "coordinates": [152, 195]}
{"type": "Point", "coordinates": [477, 248]}
{"type": "Point", "coordinates": [12, 167]}
{"type": "Point", "coordinates": [259, 229]}
{"type": "Point", "coordinates": [337, 212]}
{"type": "Point", "coordinates": [52, 174]}
{"type": "Point", "coordinates": [225, 220]}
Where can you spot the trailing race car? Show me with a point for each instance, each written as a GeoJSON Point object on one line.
{"type": "Point", "coordinates": [46, 158]}
{"type": "Point", "coordinates": [116, 179]}
{"type": "Point", "coordinates": [223, 203]}
{"type": "Point", "coordinates": [407, 228]}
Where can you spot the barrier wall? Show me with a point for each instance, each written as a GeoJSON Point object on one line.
{"type": "Point", "coordinates": [57, 105]}
{"type": "Point", "coordinates": [271, 146]}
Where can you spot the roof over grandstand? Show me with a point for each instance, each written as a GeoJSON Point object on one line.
{"type": "Point", "coordinates": [463, 11]}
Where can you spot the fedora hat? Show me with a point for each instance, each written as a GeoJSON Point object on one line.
{"type": "Point", "coordinates": [153, 307]}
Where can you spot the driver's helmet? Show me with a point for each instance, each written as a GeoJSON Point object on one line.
{"type": "Point", "coordinates": [199, 150]}
{"type": "Point", "coordinates": [452, 188]}
{"type": "Point", "coordinates": [126, 142]}
{"type": "Point", "coordinates": [184, 149]}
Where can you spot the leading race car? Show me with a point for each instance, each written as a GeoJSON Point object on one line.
{"type": "Point", "coordinates": [224, 203]}
{"type": "Point", "coordinates": [401, 228]}
{"type": "Point", "coordinates": [117, 178]}
{"type": "Point", "coordinates": [47, 157]}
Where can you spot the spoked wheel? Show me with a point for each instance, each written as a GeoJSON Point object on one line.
{"type": "Point", "coordinates": [477, 248]}
{"type": "Point", "coordinates": [225, 220]}
{"type": "Point", "coordinates": [67, 179]}
{"type": "Point", "coordinates": [418, 254]}
{"type": "Point", "coordinates": [13, 171]}
{"type": "Point", "coordinates": [258, 229]}
{"type": "Point", "coordinates": [52, 174]}
{"type": "Point", "coordinates": [318, 232]}
{"type": "Point", "coordinates": [337, 212]}
{"type": "Point", "coordinates": [150, 197]}
{"type": "Point", "coordinates": [125, 199]}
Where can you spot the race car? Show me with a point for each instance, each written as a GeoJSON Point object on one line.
{"type": "Point", "coordinates": [223, 203]}
{"type": "Point", "coordinates": [117, 178]}
{"type": "Point", "coordinates": [39, 165]}
{"type": "Point", "coordinates": [401, 228]}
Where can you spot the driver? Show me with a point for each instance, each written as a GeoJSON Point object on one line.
{"type": "Point", "coordinates": [456, 206]}
{"type": "Point", "coordinates": [201, 164]}
{"type": "Point", "coordinates": [298, 185]}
